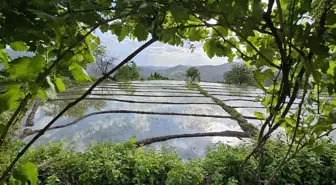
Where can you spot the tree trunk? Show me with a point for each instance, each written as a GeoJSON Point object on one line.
{"type": "Point", "coordinates": [31, 116]}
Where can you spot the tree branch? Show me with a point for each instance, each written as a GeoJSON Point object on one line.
{"type": "Point", "coordinates": [70, 105]}
{"type": "Point", "coordinates": [43, 75]}
{"type": "Point", "coordinates": [226, 133]}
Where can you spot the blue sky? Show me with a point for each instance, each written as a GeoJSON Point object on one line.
{"type": "Point", "coordinates": [158, 54]}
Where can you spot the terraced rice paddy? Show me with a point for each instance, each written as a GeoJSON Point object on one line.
{"type": "Point", "coordinates": [149, 109]}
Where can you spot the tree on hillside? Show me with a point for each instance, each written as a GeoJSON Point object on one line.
{"type": "Point", "coordinates": [157, 76]}
{"type": "Point", "coordinates": [193, 74]}
{"type": "Point", "coordinates": [238, 75]}
{"type": "Point", "coordinates": [104, 62]}
{"type": "Point", "coordinates": [128, 72]}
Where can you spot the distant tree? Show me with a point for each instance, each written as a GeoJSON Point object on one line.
{"type": "Point", "coordinates": [104, 62]}
{"type": "Point", "coordinates": [238, 75]}
{"type": "Point", "coordinates": [157, 76]}
{"type": "Point", "coordinates": [128, 72]}
{"type": "Point", "coordinates": [194, 74]}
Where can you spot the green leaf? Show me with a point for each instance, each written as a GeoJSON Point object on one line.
{"type": "Point", "coordinates": [37, 64]}
{"type": "Point", "coordinates": [195, 34]}
{"type": "Point", "coordinates": [59, 84]}
{"type": "Point", "coordinates": [140, 32]}
{"type": "Point", "coordinates": [316, 46]}
{"type": "Point", "coordinates": [10, 99]}
{"type": "Point", "coordinates": [178, 13]}
{"type": "Point", "coordinates": [317, 76]}
{"type": "Point", "coordinates": [26, 174]}
{"type": "Point", "coordinates": [104, 28]}
{"type": "Point", "coordinates": [257, 10]}
{"type": "Point", "coordinates": [207, 47]}
{"type": "Point", "coordinates": [268, 54]}
{"type": "Point", "coordinates": [247, 30]}
{"type": "Point", "coordinates": [319, 150]}
{"type": "Point", "coordinates": [259, 115]}
{"type": "Point", "coordinates": [331, 70]}
{"type": "Point", "coordinates": [4, 58]}
{"type": "Point", "coordinates": [79, 73]}
{"type": "Point", "coordinates": [88, 57]}
{"type": "Point", "coordinates": [123, 33]}
{"type": "Point", "coordinates": [18, 46]}
{"type": "Point", "coordinates": [18, 69]}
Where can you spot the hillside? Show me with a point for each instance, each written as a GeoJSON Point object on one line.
{"type": "Point", "coordinates": [209, 73]}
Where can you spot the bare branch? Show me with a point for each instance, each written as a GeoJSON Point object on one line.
{"type": "Point", "coordinates": [226, 133]}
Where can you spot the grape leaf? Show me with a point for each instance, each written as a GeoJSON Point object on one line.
{"type": "Point", "coordinates": [18, 46]}
{"type": "Point", "coordinates": [259, 115]}
{"type": "Point", "coordinates": [79, 73]}
{"type": "Point", "coordinates": [178, 13]}
{"type": "Point", "coordinates": [59, 84]}
{"type": "Point", "coordinates": [26, 174]}
{"type": "Point", "coordinates": [140, 32]}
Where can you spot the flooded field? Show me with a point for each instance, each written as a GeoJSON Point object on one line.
{"type": "Point", "coordinates": [149, 109]}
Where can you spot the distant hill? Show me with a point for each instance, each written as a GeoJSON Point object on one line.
{"type": "Point", "coordinates": [209, 73]}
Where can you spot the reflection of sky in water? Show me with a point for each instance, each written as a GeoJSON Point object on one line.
{"type": "Point", "coordinates": [118, 127]}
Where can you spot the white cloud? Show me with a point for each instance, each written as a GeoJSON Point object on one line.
{"type": "Point", "coordinates": [158, 54]}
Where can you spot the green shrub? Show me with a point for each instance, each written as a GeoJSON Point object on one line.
{"type": "Point", "coordinates": [124, 163]}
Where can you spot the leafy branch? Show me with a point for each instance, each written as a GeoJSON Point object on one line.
{"type": "Point", "coordinates": [70, 105]}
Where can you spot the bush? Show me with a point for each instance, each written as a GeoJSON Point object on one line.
{"type": "Point", "coordinates": [128, 72]}
{"type": "Point", "coordinates": [157, 76]}
{"type": "Point", "coordinates": [194, 74]}
{"type": "Point", "coordinates": [124, 163]}
{"type": "Point", "coordinates": [239, 74]}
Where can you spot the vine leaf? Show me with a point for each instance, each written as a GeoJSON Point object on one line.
{"type": "Point", "coordinates": [179, 13]}
{"type": "Point", "coordinates": [79, 73]}
{"type": "Point", "coordinates": [259, 115]}
{"type": "Point", "coordinates": [59, 84]}
{"type": "Point", "coordinates": [18, 46]}
{"type": "Point", "coordinates": [26, 174]}
{"type": "Point", "coordinates": [104, 28]}
{"type": "Point", "coordinates": [10, 99]}
{"type": "Point", "coordinates": [123, 33]}
{"type": "Point", "coordinates": [140, 32]}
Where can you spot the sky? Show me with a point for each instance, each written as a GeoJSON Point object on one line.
{"type": "Point", "coordinates": [158, 54]}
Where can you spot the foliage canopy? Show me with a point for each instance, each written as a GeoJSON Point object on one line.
{"type": "Point", "coordinates": [239, 74]}
{"type": "Point", "coordinates": [128, 72]}
{"type": "Point", "coordinates": [194, 74]}
{"type": "Point", "coordinates": [293, 39]}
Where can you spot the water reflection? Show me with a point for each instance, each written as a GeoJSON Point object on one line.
{"type": "Point", "coordinates": [127, 87]}
{"type": "Point", "coordinates": [82, 108]}
{"type": "Point", "coordinates": [119, 127]}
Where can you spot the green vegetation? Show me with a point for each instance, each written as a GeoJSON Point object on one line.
{"type": "Point", "coordinates": [289, 43]}
{"type": "Point", "coordinates": [124, 163]}
{"type": "Point", "coordinates": [157, 76]}
{"type": "Point", "coordinates": [193, 74]}
{"type": "Point", "coordinates": [239, 74]}
{"type": "Point", "coordinates": [190, 85]}
{"type": "Point", "coordinates": [128, 72]}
